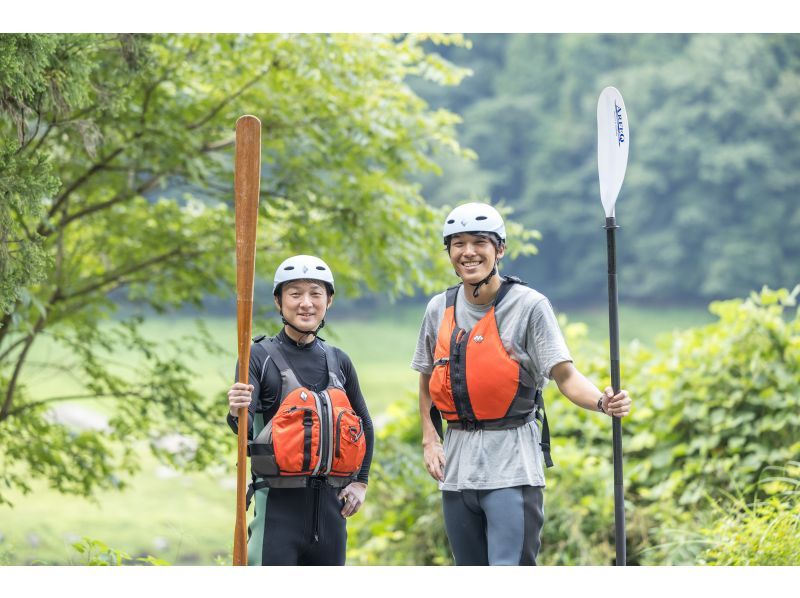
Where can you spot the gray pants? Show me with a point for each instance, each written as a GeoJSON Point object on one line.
{"type": "Point", "coordinates": [494, 527]}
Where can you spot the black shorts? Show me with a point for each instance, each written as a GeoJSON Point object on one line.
{"type": "Point", "coordinates": [297, 526]}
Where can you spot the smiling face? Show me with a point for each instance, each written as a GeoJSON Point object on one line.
{"type": "Point", "coordinates": [473, 256]}
{"type": "Point", "coordinates": [304, 303]}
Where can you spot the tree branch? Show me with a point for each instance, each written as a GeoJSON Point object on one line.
{"type": "Point", "coordinates": [21, 220]}
{"type": "Point", "coordinates": [118, 198]}
{"type": "Point", "coordinates": [25, 144]}
{"type": "Point", "coordinates": [115, 395]}
{"type": "Point", "coordinates": [225, 101]}
{"type": "Point", "coordinates": [116, 276]}
{"type": "Point", "coordinates": [214, 146]}
{"type": "Point", "coordinates": [96, 167]}
{"type": "Point", "coordinates": [12, 384]}
{"type": "Point", "coordinates": [148, 94]}
{"type": "Point", "coordinates": [43, 137]}
{"type": "Point", "coordinates": [4, 329]}
{"type": "Point", "coordinates": [56, 123]}
{"type": "Point", "coordinates": [10, 348]}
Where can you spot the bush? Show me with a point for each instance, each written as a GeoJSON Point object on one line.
{"type": "Point", "coordinates": [763, 533]}
{"type": "Point", "coordinates": [722, 402]}
{"type": "Point", "coordinates": [716, 407]}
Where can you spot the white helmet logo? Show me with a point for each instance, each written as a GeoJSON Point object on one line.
{"type": "Point", "coordinates": [478, 338]}
{"type": "Point", "coordinates": [463, 222]}
{"type": "Point", "coordinates": [303, 395]}
{"type": "Point", "coordinates": [305, 268]}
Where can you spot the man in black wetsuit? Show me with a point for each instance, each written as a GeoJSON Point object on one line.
{"type": "Point", "coordinates": [304, 523]}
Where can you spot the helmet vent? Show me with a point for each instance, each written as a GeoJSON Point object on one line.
{"type": "Point", "coordinates": [451, 221]}
{"type": "Point", "coordinates": [480, 218]}
{"type": "Point", "coordinates": [289, 268]}
{"type": "Point", "coordinates": [320, 267]}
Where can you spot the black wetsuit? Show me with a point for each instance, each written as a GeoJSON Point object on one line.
{"type": "Point", "coordinates": [283, 522]}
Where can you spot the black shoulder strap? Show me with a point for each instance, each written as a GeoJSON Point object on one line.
{"type": "Point", "coordinates": [274, 351]}
{"type": "Point", "coordinates": [514, 280]}
{"type": "Point", "coordinates": [505, 286]}
{"type": "Point", "coordinates": [450, 296]}
{"type": "Point", "coordinates": [436, 420]}
{"type": "Point", "coordinates": [542, 415]}
{"type": "Point", "coordinates": [334, 365]}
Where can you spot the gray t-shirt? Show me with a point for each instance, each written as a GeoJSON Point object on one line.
{"type": "Point", "coordinates": [489, 459]}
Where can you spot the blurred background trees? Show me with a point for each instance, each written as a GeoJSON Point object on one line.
{"type": "Point", "coordinates": [709, 207]}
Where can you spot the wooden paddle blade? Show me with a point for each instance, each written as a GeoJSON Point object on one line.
{"type": "Point", "coordinates": [246, 188]}
{"type": "Point", "coordinates": [613, 140]}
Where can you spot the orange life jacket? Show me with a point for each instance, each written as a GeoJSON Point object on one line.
{"type": "Point", "coordinates": [312, 434]}
{"type": "Point", "coordinates": [475, 383]}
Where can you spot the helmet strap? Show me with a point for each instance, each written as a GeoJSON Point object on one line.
{"type": "Point", "coordinates": [486, 280]}
{"type": "Point", "coordinates": [303, 332]}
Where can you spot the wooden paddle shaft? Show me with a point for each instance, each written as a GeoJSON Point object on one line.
{"type": "Point", "coordinates": [246, 186]}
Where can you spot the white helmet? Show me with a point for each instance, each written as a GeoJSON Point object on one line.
{"type": "Point", "coordinates": [300, 267]}
{"type": "Point", "coordinates": [474, 218]}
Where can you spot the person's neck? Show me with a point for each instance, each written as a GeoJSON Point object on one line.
{"type": "Point", "coordinates": [486, 293]}
{"type": "Point", "coordinates": [298, 337]}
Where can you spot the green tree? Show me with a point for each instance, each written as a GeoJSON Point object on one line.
{"type": "Point", "coordinates": [118, 187]}
{"type": "Point", "coordinates": [713, 194]}
{"type": "Point", "coordinates": [709, 203]}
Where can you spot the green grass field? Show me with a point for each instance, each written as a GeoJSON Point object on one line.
{"type": "Point", "coordinates": [188, 518]}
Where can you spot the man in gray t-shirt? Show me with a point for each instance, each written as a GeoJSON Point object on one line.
{"type": "Point", "coordinates": [491, 472]}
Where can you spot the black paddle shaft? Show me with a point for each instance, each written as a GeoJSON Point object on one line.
{"type": "Point", "coordinates": [613, 330]}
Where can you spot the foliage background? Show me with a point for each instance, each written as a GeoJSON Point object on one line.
{"type": "Point", "coordinates": [115, 231]}
{"type": "Point", "coordinates": [710, 194]}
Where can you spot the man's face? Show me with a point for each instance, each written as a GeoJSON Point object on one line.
{"type": "Point", "coordinates": [304, 303]}
{"type": "Point", "coordinates": [473, 256]}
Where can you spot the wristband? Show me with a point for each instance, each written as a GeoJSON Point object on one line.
{"type": "Point", "coordinates": [600, 404]}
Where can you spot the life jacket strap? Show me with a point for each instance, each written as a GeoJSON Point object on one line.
{"type": "Point", "coordinates": [541, 415]}
{"type": "Point", "coordinates": [251, 490]}
{"type": "Point", "coordinates": [436, 420]}
{"type": "Point", "coordinates": [508, 282]}
{"type": "Point", "coordinates": [505, 424]}
{"type": "Point", "coordinates": [505, 286]}
{"type": "Point", "coordinates": [317, 484]}
{"type": "Point", "coordinates": [491, 424]}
